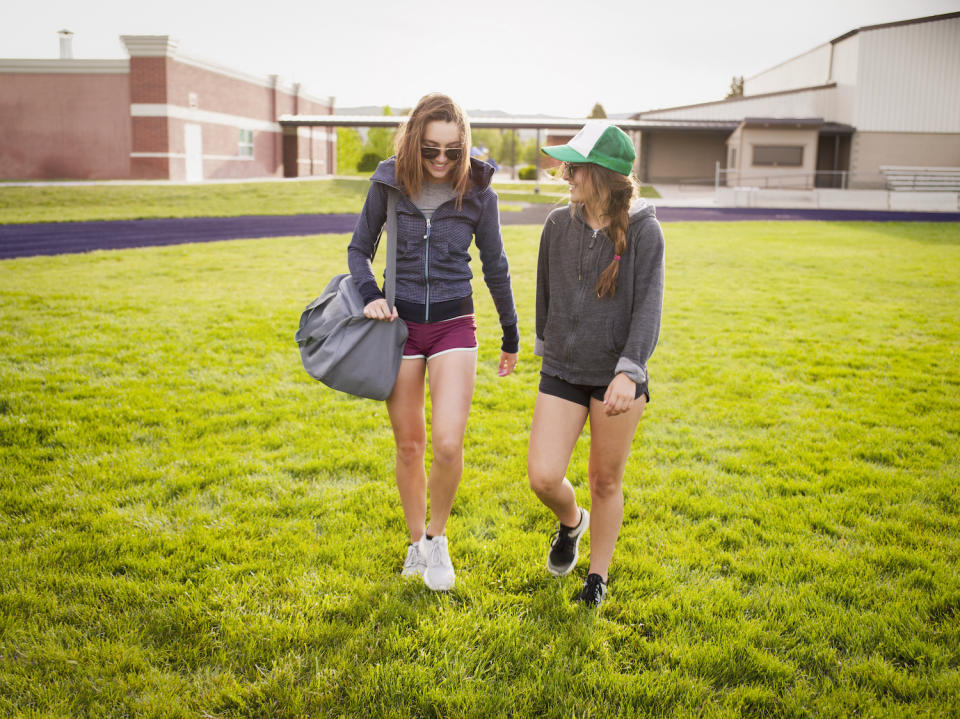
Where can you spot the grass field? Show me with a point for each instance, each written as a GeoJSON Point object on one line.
{"type": "Point", "coordinates": [77, 203]}
{"type": "Point", "coordinates": [191, 527]}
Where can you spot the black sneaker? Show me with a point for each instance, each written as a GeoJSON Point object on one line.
{"type": "Point", "coordinates": [594, 589]}
{"type": "Point", "coordinates": [564, 547]}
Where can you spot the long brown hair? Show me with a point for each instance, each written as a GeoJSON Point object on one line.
{"type": "Point", "coordinates": [609, 195]}
{"type": "Point", "coordinates": [435, 106]}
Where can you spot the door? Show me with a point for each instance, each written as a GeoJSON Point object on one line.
{"type": "Point", "coordinates": [193, 148]}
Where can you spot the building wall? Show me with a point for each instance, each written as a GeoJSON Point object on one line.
{"type": "Point", "coordinates": [907, 78]}
{"type": "Point", "coordinates": [217, 123]}
{"type": "Point", "coordinates": [160, 115]}
{"type": "Point", "coordinates": [844, 67]}
{"type": "Point", "coordinates": [815, 102]}
{"type": "Point", "coordinates": [896, 84]}
{"type": "Point", "coordinates": [65, 119]}
{"type": "Point", "coordinates": [681, 156]}
{"type": "Point", "coordinates": [806, 70]}
{"type": "Point", "coordinates": [870, 150]}
{"type": "Point", "coordinates": [746, 139]}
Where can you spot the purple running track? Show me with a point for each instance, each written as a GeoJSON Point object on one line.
{"type": "Point", "coordinates": [55, 238]}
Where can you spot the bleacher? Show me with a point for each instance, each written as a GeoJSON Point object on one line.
{"type": "Point", "coordinates": [921, 179]}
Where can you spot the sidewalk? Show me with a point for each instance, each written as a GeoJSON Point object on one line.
{"type": "Point", "coordinates": [685, 196]}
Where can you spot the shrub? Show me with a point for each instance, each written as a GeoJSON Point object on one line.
{"type": "Point", "coordinates": [368, 162]}
{"type": "Point", "coordinates": [527, 172]}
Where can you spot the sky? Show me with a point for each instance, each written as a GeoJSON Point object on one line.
{"type": "Point", "coordinates": [524, 57]}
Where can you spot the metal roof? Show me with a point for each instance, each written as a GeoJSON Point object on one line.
{"type": "Point", "coordinates": [507, 123]}
{"type": "Point", "coordinates": [897, 23]}
{"type": "Point", "coordinates": [790, 122]}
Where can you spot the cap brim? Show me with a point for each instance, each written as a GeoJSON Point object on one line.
{"type": "Point", "coordinates": [564, 153]}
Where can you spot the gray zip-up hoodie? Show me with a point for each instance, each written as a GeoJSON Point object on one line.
{"type": "Point", "coordinates": [582, 338]}
{"type": "Point", "coordinates": [433, 259]}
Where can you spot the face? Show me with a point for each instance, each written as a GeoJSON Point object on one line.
{"type": "Point", "coordinates": [579, 182]}
{"type": "Point", "coordinates": [443, 135]}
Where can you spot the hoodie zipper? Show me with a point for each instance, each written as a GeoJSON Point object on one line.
{"type": "Point", "coordinates": [575, 316]}
{"type": "Point", "coordinates": [580, 254]}
{"type": "Point", "coordinates": [426, 258]}
{"type": "Point", "coordinates": [426, 271]}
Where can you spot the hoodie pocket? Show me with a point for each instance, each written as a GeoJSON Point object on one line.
{"type": "Point", "coordinates": [449, 249]}
{"type": "Point", "coordinates": [614, 337]}
{"type": "Point", "coordinates": [410, 232]}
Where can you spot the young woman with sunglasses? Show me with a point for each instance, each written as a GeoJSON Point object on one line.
{"type": "Point", "coordinates": [445, 204]}
{"type": "Point", "coordinates": [599, 297]}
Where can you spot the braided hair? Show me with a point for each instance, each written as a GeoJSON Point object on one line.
{"type": "Point", "coordinates": [610, 195]}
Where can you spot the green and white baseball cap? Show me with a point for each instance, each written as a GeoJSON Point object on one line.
{"type": "Point", "coordinates": [598, 142]}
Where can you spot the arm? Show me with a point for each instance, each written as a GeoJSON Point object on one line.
{"type": "Point", "coordinates": [366, 238]}
{"type": "Point", "coordinates": [631, 368]}
{"type": "Point", "coordinates": [647, 303]}
{"type": "Point", "coordinates": [496, 272]}
{"type": "Point", "coordinates": [543, 290]}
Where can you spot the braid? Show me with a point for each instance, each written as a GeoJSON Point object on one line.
{"type": "Point", "coordinates": [610, 197]}
{"type": "Point", "coordinates": [618, 210]}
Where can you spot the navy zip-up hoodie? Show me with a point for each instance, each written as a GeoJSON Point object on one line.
{"type": "Point", "coordinates": [433, 259]}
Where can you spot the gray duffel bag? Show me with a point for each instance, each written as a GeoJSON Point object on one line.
{"type": "Point", "coordinates": [342, 348]}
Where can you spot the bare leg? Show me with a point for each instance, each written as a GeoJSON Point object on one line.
{"type": "Point", "coordinates": [557, 424]}
{"type": "Point", "coordinates": [405, 406]}
{"type": "Point", "coordinates": [452, 377]}
{"type": "Point", "coordinates": [610, 440]}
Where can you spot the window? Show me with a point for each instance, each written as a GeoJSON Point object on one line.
{"type": "Point", "coordinates": [733, 157]}
{"type": "Point", "coordinates": [778, 155]}
{"type": "Point", "coordinates": [245, 147]}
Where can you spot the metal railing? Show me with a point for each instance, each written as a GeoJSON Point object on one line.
{"type": "Point", "coordinates": [921, 179]}
{"type": "Point", "coordinates": [797, 180]}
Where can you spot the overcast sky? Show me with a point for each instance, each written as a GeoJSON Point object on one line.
{"type": "Point", "coordinates": [555, 57]}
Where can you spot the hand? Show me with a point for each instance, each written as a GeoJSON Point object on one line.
{"type": "Point", "coordinates": [508, 360]}
{"type": "Point", "coordinates": [620, 395]}
{"type": "Point", "coordinates": [379, 310]}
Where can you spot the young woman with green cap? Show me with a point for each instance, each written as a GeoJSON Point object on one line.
{"type": "Point", "coordinates": [599, 297]}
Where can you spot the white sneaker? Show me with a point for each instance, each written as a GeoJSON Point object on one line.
{"type": "Point", "coordinates": [439, 574]}
{"type": "Point", "coordinates": [415, 563]}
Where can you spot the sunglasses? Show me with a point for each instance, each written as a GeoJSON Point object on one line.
{"type": "Point", "coordinates": [568, 168]}
{"type": "Point", "coordinates": [431, 153]}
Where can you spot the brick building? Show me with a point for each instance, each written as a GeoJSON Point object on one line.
{"type": "Point", "coordinates": [159, 115]}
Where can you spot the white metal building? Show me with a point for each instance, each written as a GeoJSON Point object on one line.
{"type": "Point", "coordinates": [835, 116]}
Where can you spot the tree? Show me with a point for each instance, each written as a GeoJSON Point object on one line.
{"type": "Point", "coordinates": [380, 140]}
{"type": "Point", "coordinates": [349, 150]}
{"type": "Point", "coordinates": [736, 87]}
{"type": "Point", "coordinates": [529, 151]}
{"type": "Point", "coordinates": [509, 148]}
{"type": "Point", "coordinates": [489, 139]}
{"type": "Point", "coordinates": [597, 112]}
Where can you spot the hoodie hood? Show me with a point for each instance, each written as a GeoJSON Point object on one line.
{"type": "Point", "coordinates": [641, 209]}
{"type": "Point", "coordinates": [481, 174]}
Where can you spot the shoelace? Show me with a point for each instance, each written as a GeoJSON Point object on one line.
{"type": "Point", "coordinates": [562, 539]}
{"type": "Point", "coordinates": [593, 589]}
{"type": "Point", "coordinates": [438, 556]}
{"type": "Point", "coordinates": [412, 557]}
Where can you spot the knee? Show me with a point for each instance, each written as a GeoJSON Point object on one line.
{"type": "Point", "coordinates": [411, 451]}
{"type": "Point", "coordinates": [447, 450]}
{"type": "Point", "coordinates": [541, 480]}
{"type": "Point", "coordinates": [606, 484]}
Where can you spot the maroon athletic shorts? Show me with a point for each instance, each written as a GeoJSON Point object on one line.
{"type": "Point", "coordinates": [429, 340]}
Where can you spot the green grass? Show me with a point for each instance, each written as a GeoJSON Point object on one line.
{"type": "Point", "coordinates": [140, 201]}
{"type": "Point", "coordinates": [77, 203]}
{"type": "Point", "coordinates": [191, 527]}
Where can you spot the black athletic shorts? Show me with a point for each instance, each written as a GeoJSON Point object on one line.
{"type": "Point", "coordinates": [579, 393]}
